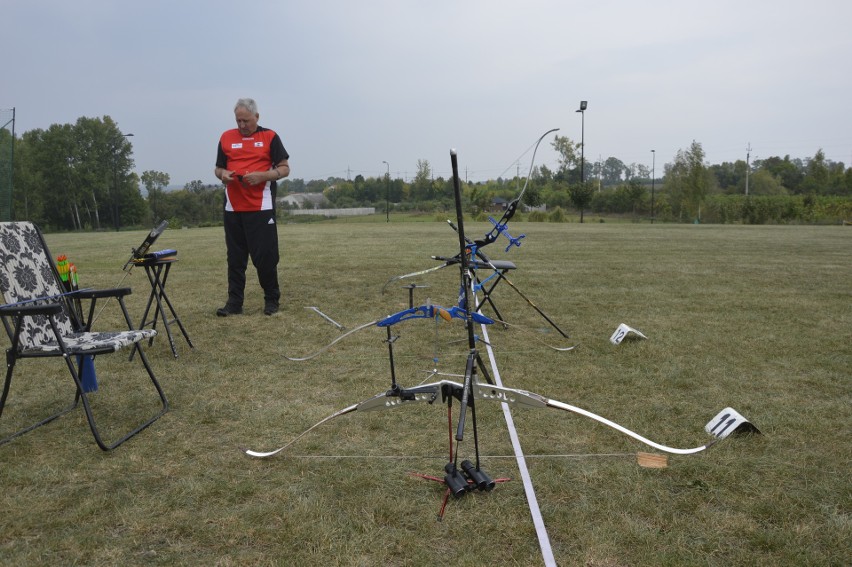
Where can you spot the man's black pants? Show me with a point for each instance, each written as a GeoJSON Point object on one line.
{"type": "Point", "coordinates": [252, 235]}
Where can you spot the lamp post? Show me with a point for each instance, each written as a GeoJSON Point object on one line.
{"type": "Point", "coordinates": [582, 111]}
{"type": "Point", "coordinates": [748, 156]}
{"type": "Point", "coordinates": [387, 192]}
{"type": "Point", "coordinates": [115, 215]}
{"type": "Point", "coordinates": [653, 179]}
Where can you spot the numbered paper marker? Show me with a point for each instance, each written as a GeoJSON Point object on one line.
{"type": "Point", "coordinates": [729, 421]}
{"type": "Point", "coordinates": [621, 333]}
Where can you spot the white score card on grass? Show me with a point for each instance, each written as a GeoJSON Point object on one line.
{"type": "Point", "coordinates": [622, 332]}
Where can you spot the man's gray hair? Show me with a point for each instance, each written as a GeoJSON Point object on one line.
{"type": "Point", "coordinates": [247, 103]}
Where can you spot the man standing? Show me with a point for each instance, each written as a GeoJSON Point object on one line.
{"type": "Point", "coordinates": [250, 159]}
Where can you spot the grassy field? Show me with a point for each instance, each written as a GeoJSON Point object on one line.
{"type": "Point", "coordinates": [757, 318]}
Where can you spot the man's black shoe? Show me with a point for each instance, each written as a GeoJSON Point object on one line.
{"type": "Point", "coordinates": [229, 310]}
{"type": "Point", "coordinates": [270, 308]}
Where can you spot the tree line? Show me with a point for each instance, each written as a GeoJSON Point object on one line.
{"type": "Point", "coordinates": [81, 177]}
{"type": "Point", "coordinates": [774, 190]}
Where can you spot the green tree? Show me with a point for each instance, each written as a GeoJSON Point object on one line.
{"type": "Point", "coordinates": [762, 182]}
{"type": "Point", "coordinates": [28, 202]}
{"type": "Point", "coordinates": [543, 174]}
{"type": "Point", "coordinates": [816, 175]}
{"type": "Point", "coordinates": [613, 171]}
{"type": "Point", "coordinates": [59, 144]}
{"type": "Point", "coordinates": [95, 171]}
{"type": "Point", "coordinates": [7, 155]}
{"type": "Point", "coordinates": [60, 177]}
{"type": "Point", "coordinates": [635, 194]}
{"type": "Point", "coordinates": [341, 194]}
{"type": "Point", "coordinates": [479, 198]}
{"type": "Point", "coordinates": [533, 196]}
{"type": "Point", "coordinates": [195, 187]}
{"type": "Point", "coordinates": [730, 177]}
{"type": "Point", "coordinates": [105, 158]}
{"type": "Point", "coordinates": [372, 189]}
{"type": "Point", "coordinates": [569, 158]}
{"type": "Point", "coordinates": [291, 185]}
{"type": "Point", "coordinates": [399, 190]}
{"type": "Point", "coordinates": [638, 171]}
{"type": "Point", "coordinates": [155, 183]}
{"type": "Point", "coordinates": [421, 187]}
{"type": "Point", "coordinates": [787, 171]}
{"type": "Point", "coordinates": [581, 195]}
{"type": "Point", "coordinates": [688, 182]}
{"type": "Point", "coordinates": [840, 178]}
{"type": "Point", "coordinates": [155, 180]}
{"type": "Point", "coordinates": [317, 186]}
{"type": "Point", "coordinates": [847, 182]}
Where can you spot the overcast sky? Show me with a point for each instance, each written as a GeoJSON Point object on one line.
{"type": "Point", "coordinates": [349, 85]}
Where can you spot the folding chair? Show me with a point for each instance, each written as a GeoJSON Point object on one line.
{"type": "Point", "coordinates": [486, 285]}
{"type": "Point", "coordinates": [496, 271]}
{"type": "Point", "coordinates": [41, 322]}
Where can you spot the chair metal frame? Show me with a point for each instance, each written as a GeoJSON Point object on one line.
{"type": "Point", "coordinates": [47, 324]}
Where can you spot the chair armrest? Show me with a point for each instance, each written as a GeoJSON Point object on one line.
{"type": "Point", "coordinates": [99, 293]}
{"type": "Point", "coordinates": [30, 310]}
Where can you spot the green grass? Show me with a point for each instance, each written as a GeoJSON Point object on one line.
{"type": "Point", "coordinates": [757, 318]}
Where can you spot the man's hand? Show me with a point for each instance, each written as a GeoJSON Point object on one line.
{"type": "Point", "coordinates": [256, 178]}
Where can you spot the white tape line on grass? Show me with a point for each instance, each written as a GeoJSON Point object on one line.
{"type": "Point", "coordinates": [538, 521]}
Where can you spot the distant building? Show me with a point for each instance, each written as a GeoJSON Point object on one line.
{"type": "Point", "coordinates": [303, 200]}
{"type": "Point", "coordinates": [499, 204]}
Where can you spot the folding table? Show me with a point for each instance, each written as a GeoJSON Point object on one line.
{"type": "Point", "coordinates": [157, 269]}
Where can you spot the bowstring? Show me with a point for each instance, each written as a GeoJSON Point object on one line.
{"type": "Point", "coordinates": [534, 147]}
{"type": "Point", "coordinates": [108, 299]}
{"type": "Point", "coordinates": [532, 162]}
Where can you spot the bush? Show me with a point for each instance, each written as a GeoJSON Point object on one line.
{"type": "Point", "coordinates": [776, 209]}
{"type": "Point", "coordinates": [556, 215]}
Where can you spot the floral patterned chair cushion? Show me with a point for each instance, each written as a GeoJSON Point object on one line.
{"type": "Point", "coordinates": [27, 276]}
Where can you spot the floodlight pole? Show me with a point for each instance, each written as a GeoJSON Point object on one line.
{"type": "Point", "coordinates": [582, 111]}
{"type": "Point", "coordinates": [748, 157]}
{"type": "Point", "coordinates": [387, 192]}
{"type": "Point", "coordinates": [653, 179]}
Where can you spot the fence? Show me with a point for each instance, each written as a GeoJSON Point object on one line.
{"type": "Point", "coordinates": [7, 160]}
{"type": "Point", "coordinates": [354, 212]}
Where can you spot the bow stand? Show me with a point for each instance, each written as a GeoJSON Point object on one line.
{"type": "Point", "coordinates": [465, 476]}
